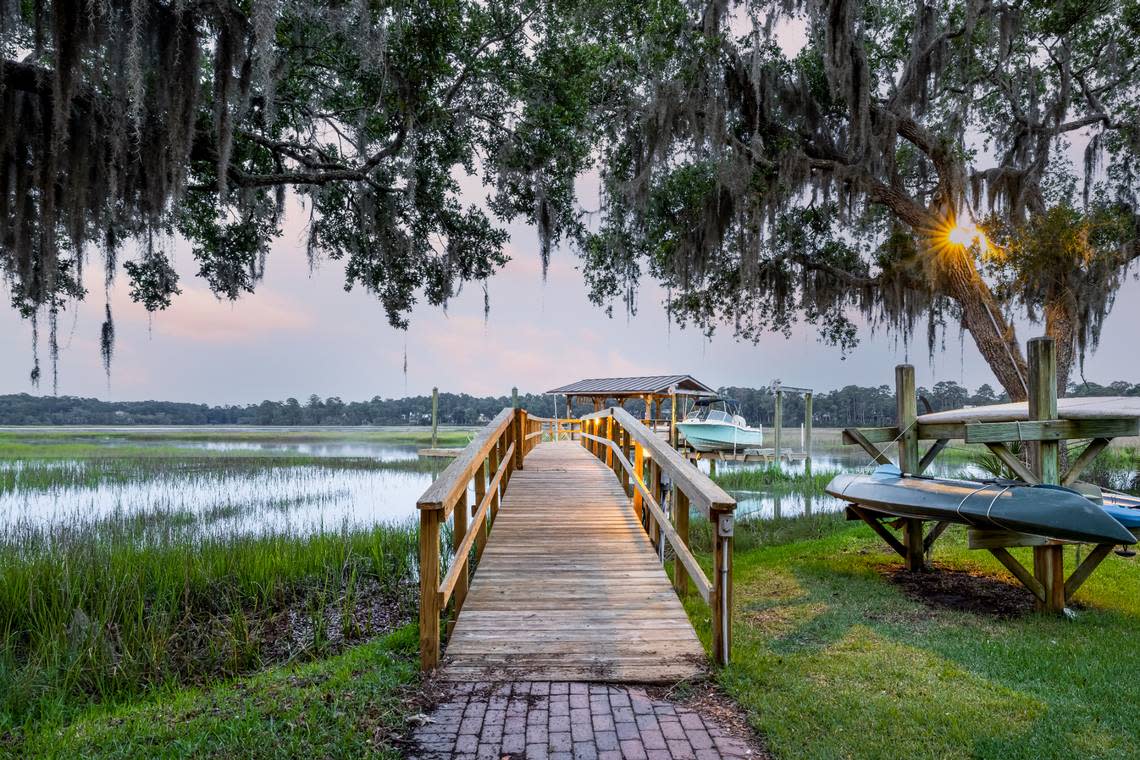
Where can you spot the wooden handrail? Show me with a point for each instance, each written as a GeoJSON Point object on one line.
{"type": "Point", "coordinates": [704, 588]}
{"type": "Point", "coordinates": [622, 431]}
{"type": "Point", "coordinates": [703, 493]}
{"type": "Point", "coordinates": [463, 551]}
{"type": "Point", "coordinates": [501, 444]}
{"type": "Point", "coordinates": [443, 493]}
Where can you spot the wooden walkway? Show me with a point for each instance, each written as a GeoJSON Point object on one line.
{"type": "Point", "coordinates": [569, 586]}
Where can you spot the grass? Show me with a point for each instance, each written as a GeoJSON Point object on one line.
{"type": "Point", "coordinates": [349, 705]}
{"type": "Point", "coordinates": [102, 612]}
{"type": "Point", "coordinates": [773, 478]}
{"type": "Point", "coordinates": [98, 613]}
{"type": "Point", "coordinates": [833, 660]}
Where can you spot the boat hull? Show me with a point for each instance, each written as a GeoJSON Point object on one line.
{"type": "Point", "coordinates": [720, 436]}
{"type": "Point", "coordinates": [1050, 511]}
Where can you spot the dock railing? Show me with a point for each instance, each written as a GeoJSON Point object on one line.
{"type": "Point", "coordinates": [643, 462]}
{"type": "Point", "coordinates": [488, 462]}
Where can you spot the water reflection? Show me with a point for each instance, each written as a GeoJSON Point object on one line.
{"type": "Point", "coordinates": [204, 496]}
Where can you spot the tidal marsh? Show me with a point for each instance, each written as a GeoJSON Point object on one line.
{"type": "Point", "coordinates": [135, 561]}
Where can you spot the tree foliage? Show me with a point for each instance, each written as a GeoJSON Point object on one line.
{"type": "Point", "coordinates": [762, 184]}
{"type": "Point", "coordinates": [125, 122]}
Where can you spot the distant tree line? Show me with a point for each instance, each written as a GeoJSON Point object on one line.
{"type": "Point", "coordinates": [850, 405]}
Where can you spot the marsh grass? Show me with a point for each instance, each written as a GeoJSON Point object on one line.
{"type": "Point", "coordinates": [774, 478]}
{"type": "Point", "coordinates": [105, 610]}
{"type": "Point", "coordinates": [88, 470]}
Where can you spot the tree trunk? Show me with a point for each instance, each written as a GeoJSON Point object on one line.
{"type": "Point", "coordinates": [1061, 326]}
{"type": "Point", "coordinates": [994, 336]}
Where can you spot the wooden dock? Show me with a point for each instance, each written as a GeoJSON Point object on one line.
{"type": "Point", "coordinates": [556, 571]}
{"type": "Point", "coordinates": [570, 586]}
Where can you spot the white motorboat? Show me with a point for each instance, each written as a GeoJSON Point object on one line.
{"type": "Point", "coordinates": [716, 425]}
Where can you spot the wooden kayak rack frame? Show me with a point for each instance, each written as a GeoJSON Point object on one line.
{"type": "Point", "coordinates": [1044, 433]}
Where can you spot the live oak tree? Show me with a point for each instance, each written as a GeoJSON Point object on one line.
{"type": "Point", "coordinates": [859, 174]}
{"type": "Point", "coordinates": [761, 184]}
{"type": "Point", "coordinates": [126, 122]}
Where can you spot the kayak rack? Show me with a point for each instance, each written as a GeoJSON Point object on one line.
{"type": "Point", "coordinates": [1043, 433]}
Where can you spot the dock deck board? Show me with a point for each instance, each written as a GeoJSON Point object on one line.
{"type": "Point", "coordinates": [569, 586]}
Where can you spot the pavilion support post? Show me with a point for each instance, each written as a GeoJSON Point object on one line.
{"type": "Point", "coordinates": [1049, 560]}
{"type": "Point", "coordinates": [778, 424]}
{"type": "Point", "coordinates": [429, 588]}
{"type": "Point", "coordinates": [721, 601]}
{"type": "Point", "coordinates": [906, 406]}
{"type": "Point", "coordinates": [681, 523]}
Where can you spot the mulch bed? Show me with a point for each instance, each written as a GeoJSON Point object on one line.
{"type": "Point", "coordinates": [964, 591]}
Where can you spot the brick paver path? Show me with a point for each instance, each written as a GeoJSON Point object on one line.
{"type": "Point", "coordinates": [568, 721]}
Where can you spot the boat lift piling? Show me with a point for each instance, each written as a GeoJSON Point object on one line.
{"type": "Point", "coordinates": [1043, 432]}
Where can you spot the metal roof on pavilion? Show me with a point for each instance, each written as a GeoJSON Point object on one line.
{"type": "Point", "coordinates": [651, 385]}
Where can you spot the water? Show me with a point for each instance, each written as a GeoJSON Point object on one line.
{"type": "Point", "coordinates": [779, 502]}
{"type": "Point", "coordinates": [208, 493]}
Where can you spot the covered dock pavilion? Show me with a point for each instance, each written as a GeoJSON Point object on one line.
{"type": "Point", "coordinates": [652, 390]}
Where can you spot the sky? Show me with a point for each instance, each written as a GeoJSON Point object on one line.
{"type": "Point", "coordinates": [301, 333]}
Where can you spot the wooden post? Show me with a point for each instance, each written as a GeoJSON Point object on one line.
{"type": "Point", "coordinates": [807, 433]}
{"type": "Point", "coordinates": [624, 445]}
{"type": "Point", "coordinates": [639, 470]}
{"type": "Point", "coordinates": [1049, 560]}
{"type": "Point", "coordinates": [480, 493]}
{"type": "Point", "coordinates": [654, 476]}
{"type": "Point", "coordinates": [492, 468]}
{"type": "Point", "coordinates": [681, 523]}
{"type": "Point", "coordinates": [429, 588]}
{"type": "Point", "coordinates": [458, 533]}
{"type": "Point", "coordinates": [779, 423]}
{"type": "Point", "coordinates": [721, 601]}
{"type": "Point", "coordinates": [607, 432]}
{"type": "Point", "coordinates": [434, 416]}
{"type": "Point", "coordinates": [906, 413]}
{"type": "Point", "coordinates": [514, 398]}
{"type": "Point", "coordinates": [520, 437]}
{"type": "Point", "coordinates": [673, 418]}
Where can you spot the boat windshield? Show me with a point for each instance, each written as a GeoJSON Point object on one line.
{"type": "Point", "coordinates": [719, 410]}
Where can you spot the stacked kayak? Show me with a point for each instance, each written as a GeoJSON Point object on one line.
{"type": "Point", "coordinates": [1042, 510]}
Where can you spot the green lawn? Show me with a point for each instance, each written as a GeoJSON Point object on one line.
{"type": "Point", "coordinates": [833, 660]}
{"type": "Point", "coordinates": [351, 705]}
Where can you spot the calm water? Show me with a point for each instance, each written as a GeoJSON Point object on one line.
{"type": "Point", "coordinates": [233, 497]}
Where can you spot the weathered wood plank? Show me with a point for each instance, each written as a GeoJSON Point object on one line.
{"type": "Point", "coordinates": [1050, 430]}
{"type": "Point", "coordinates": [569, 586]}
